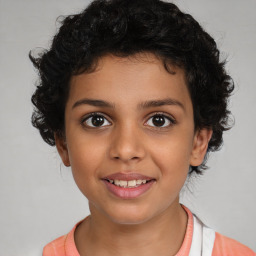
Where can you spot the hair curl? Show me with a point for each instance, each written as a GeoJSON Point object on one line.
{"type": "Point", "coordinates": [124, 28]}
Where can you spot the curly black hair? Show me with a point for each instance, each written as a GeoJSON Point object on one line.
{"type": "Point", "coordinates": [124, 28]}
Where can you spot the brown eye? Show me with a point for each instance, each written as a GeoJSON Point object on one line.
{"type": "Point", "coordinates": [160, 120]}
{"type": "Point", "coordinates": [95, 120]}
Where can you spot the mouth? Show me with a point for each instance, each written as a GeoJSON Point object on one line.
{"type": "Point", "coordinates": [129, 185]}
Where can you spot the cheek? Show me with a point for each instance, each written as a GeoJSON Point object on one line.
{"type": "Point", "coordinates": [85, 160]}
{"type": "Point", "coordinates": [85, 152]}
{"type": "Point", "coordinates": [172, 157]}
{"type": "Point", "coordinates": [172, 153]}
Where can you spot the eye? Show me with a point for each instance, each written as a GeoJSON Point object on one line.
{"type": "Point", "coordinates": [95, 120]}
{"type": "Point", "coordinates": [160, 121]}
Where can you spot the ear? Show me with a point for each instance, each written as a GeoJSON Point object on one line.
{"type": "Point", "coordinates": [200, 145]}
{"type": "Point", "coordinates": [61, 146]}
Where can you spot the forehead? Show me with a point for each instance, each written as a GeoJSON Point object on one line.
{"type": "Point", "coordinates": [130, 80]}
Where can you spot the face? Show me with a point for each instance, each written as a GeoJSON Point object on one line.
{"type": "Point", "coordinates": [131, 121]}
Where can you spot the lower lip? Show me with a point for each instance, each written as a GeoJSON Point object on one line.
{"type": "Point", "coordinates": [128, 193]}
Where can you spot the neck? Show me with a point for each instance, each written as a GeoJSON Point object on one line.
{"type": "Point", "coordinates": [161, 235]}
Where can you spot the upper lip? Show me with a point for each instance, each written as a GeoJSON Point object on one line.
{"type": "Point", "coordinates": [127, 176]}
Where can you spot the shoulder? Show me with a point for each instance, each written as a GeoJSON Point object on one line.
{"type": "Point", "coordinates": [229, 247]}
{"type": "Point", "coordinates": [64, 245]}
{"type": "Point", "coordinates": [56, 247]}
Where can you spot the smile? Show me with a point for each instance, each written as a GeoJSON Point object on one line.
{"type": "Point", "coordinates": [128, 185]}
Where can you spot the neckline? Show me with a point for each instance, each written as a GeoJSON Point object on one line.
{"type": "Point", "coordinates": [71, 250]}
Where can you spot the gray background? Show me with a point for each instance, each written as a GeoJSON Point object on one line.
{"type": "Point", "coordinates": [39, 200]}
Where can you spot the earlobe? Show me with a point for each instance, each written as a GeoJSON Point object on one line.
{"type": "Point", "coordinates": [61, 146]}
{"type": "Point", "coordinates": [200, 145]}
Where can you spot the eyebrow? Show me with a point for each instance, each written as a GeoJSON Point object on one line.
{"type": "Point", "coordinates": [142, 105]}
{"type": "Point", "coordinates": [93, 102]}
{"type": "Point", "coordinates": [162, 102]}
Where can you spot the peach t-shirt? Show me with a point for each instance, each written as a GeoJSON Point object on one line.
{"type": "Point", "coordinates": [223, 246]}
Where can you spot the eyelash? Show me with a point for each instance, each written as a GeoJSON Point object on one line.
{"type": "Point", "coordinates": [84, 119]}
{"type": "Point", "coordinates": [161, 114]}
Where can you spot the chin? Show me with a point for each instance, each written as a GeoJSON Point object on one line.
{"type": "Point", "coordinates": [130, 216]}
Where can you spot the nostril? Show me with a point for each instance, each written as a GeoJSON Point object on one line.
{"type": "Point", "coordinates": [132, 158]}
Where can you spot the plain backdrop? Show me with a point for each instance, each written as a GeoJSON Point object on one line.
{"type": "Point", "coordinates": [39, 200]}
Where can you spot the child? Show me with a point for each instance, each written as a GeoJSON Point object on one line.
{"type": "Point", "coordinates": [134, 96]}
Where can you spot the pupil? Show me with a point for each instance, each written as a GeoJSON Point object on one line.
{"type": "Point", "coordinates": [158, 121]}
{"type": "Point", "coordinates": [97, 120]}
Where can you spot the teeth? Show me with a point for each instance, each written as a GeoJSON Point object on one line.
{"type": "Point", "coordinates": [130, 183]}
{"type": "Point", "coordinates": [117, 182]}
{"type": "Point", "coordinates": [123, 183]}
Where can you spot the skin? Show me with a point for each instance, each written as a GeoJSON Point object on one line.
{"type": "Point", "coordinates": [129, 141]}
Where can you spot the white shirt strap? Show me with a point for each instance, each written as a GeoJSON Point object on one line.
{"type": "Point", "coordinates": [202, 240]}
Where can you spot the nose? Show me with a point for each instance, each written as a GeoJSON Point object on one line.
{"type": "Point", "coordinates": [127, 144]}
